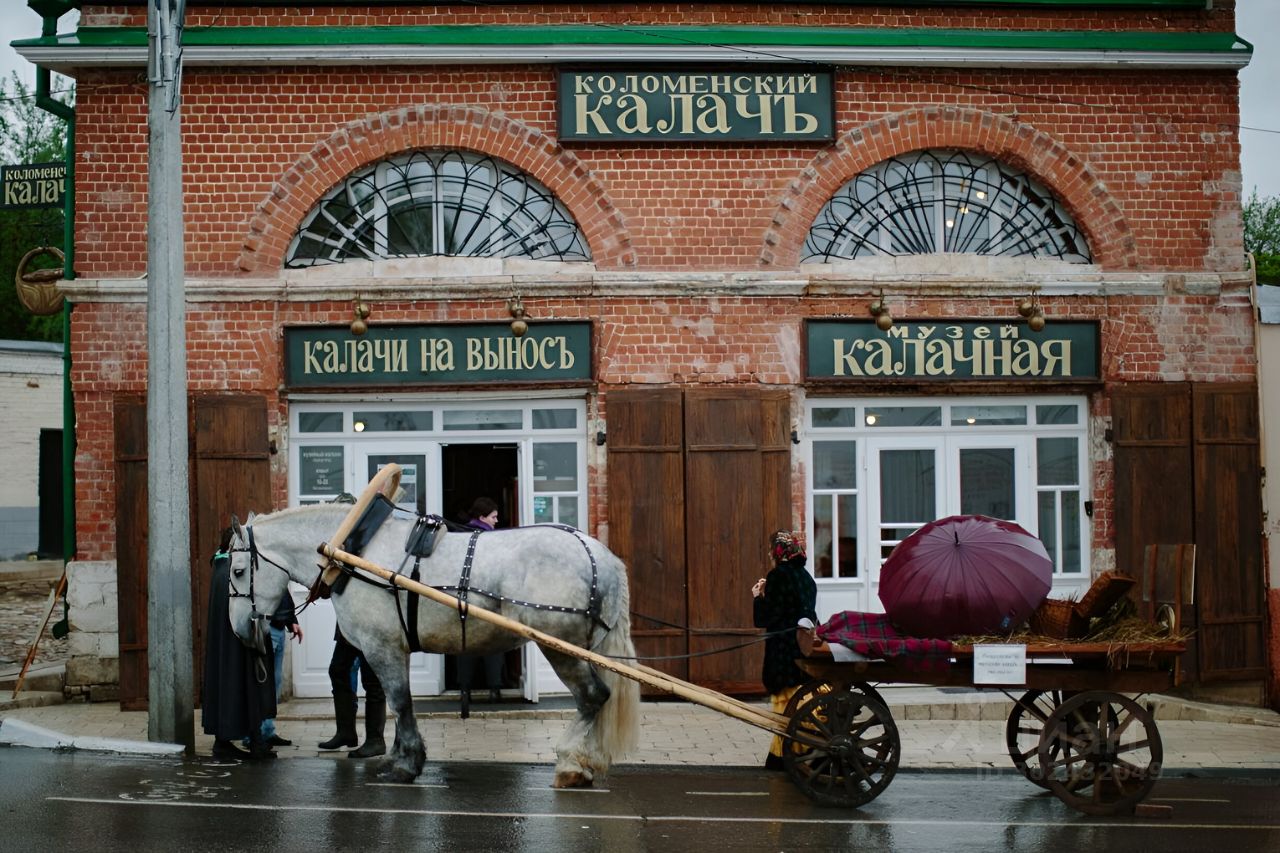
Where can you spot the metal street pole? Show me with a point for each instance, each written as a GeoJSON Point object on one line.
{"type": "Point", "coordinates": [171, 697]}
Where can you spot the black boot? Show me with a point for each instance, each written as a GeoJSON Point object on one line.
{"type": "Point", "coordinates": [346, 734]}
{"type": "Point", "coordinates": [225, 750]}
{"type": "Point", "coordinates": [260, 750]}
{"type": "Point", "coordinates": [375, 720]}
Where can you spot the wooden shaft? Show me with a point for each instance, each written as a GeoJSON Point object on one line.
{"type": "Point", "coordinates": [58, 590]}
{"type": "Point", "coordinates": [683, 689]}
{"type": "Point", "coordinates": [387, 472]}
{"type": "Point", "coordinates": [769, 718]}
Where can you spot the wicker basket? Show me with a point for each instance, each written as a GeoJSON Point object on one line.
{"type": "Point", "coordinates": [1109, 588]}
{"type": "Point", "coordinates": [1058, 618]}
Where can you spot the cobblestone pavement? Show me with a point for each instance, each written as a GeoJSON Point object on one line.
{"type": "Point", "coordinates": [22, 607]}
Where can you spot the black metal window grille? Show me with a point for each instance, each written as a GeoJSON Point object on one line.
{"type": "Point", "coordinates": [437, 203]}
{"type": "Point", "coordinates": [944, 201]}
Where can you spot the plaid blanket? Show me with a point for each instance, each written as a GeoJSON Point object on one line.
{"type": "Point", "coordinates": [872, 634]}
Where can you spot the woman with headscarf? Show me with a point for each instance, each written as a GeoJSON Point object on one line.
{"type": "Point", "coordinates": [781, 600]}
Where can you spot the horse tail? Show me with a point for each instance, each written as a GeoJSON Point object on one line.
{"type": "Point", "coordinates": [618, 723]}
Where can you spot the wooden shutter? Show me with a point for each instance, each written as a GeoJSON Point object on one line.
{"type": "Point", "coordinates": [130, 428]}
{"type": "Point", "coordinates": [1230, 586]}
{"type": "Point", "coordinates": [231, 474]}
{"type": "Point", "coordinates": [646, 517]}
{"type": "Point", "coordinates": [737, 490]}
{"type": "Point", "coordinates": [1154, 485]}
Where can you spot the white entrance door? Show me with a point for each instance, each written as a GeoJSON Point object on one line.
{"type": "Point", "coordinates": [419, 463]}
{"type": "Point", "coordinates": [905, 491]}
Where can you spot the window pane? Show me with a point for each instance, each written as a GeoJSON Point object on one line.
{"type": "Point", "coordinates": [823, 555]}
{"type": "Point", "coordinates": [555, 467]}
{"type": "Point", "coordinates": [847, 543]}
{"type": "Point", "coordinates": [485, 419]}
{"type": "Point", "coordinates": [987, 482]}
{"type": "Point", "coordinates": [1057, 461]}
{"type": "Point", "coordinates": [1071, 545]}
{"type": "Point", "coordinates": [319, 421]}
{"type": "Point", "coordinates": [988, 415]}
{"type": "Point", "coordinates": [844, 416]}
{"type": "Point", "coordinates": [835, 465]}
{"type": "Point", "coordinates": [568, 510]}
{"type": "Point", "coordinates": [391, 421]}
{"type": "Point", "coordinates": [1047, 513]}
{"type": "Point", "coordinates": [542, 510]}
{"type": "Point", "coordinates": [904, 416]}
{"type": "Point", "coordinates": [1058, 414]}
{"type": "Point", "coordinates": [907, 487]}
{"type": "Point", "coordinates": [555, 418]}
{"type": "Point", "coordinates": [321, 470]}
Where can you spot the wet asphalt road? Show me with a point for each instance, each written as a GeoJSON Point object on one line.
{"type": "Point", "coordinates": [51, 801]}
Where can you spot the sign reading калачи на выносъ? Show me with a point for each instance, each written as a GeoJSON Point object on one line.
{"type": "Point", "coordinates": [705, 106]}
{"type": "Point", "coordinates": [328, 356]}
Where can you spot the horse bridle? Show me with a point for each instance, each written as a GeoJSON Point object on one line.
{"type": "Point", "coordinates": [254, 556]}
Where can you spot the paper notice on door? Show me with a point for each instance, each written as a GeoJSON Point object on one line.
{"type": "Point", "coordinates": [1000, 663]}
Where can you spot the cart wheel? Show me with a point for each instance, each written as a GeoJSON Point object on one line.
{"type": "Point", "coordinates": [842, 748]}
{"type": "Point", "coordinates": [1100, 753]}
{"type": "Point", "coordinates": [809, 689]}
{"type": "Point", "coordinates": [1024, 727]}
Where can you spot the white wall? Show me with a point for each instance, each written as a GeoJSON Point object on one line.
{"type": "Point", "coordinates": [31, 391]}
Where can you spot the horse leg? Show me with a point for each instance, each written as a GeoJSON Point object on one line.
{"type": "Point", "coordinates": [579, 756]}
{"type": "Point", "coordinates": [408, 755]}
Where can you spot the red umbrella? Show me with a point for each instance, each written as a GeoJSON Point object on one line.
{"type": "Point", "coordinates": [965, 574]}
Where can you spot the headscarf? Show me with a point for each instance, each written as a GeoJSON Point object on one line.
{"type": "Point", "coordinates": [786, 546]}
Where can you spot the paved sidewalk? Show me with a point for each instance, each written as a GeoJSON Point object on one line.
{"type": "Point", "coordinates": [940, 728]}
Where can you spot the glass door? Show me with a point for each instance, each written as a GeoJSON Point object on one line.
{"type": "Point", "coordinates": [991, 476]}
{"type": "Point", "coordinates": [906, 492]}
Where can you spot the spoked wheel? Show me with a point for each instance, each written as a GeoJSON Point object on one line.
{"type": "Point", "coordinates": [1100, 753]}
{"type": "Point", "coordinates": [1023, 730]}
{"type": "Point", "coordinates": [842, 748]}
{"type": "Point", "coordinates": [809, 689]}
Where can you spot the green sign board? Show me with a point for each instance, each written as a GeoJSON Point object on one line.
{"type": "Point", "coordinates": [951, 349]}
{"type": "Point", "coordinates": [704, 106]}
{"type": "Point", "coordinates": [456, 353]}
{"type": "Point", "coordinates": [32, 186]}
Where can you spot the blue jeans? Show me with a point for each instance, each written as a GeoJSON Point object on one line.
{"type": "Point", "coordinates": [277, 644]}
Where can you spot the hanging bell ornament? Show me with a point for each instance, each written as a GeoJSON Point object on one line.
{"type": "Point", "coordinates": [363, 310]}
{"type": "Point", "coordinates": [1036, 322]}
{"type": "Point", "coordinates": [519, 327]}
{"type": "Point", "coordinates": [884, 321]}
{"type": "Point", "coordinates": [1026, 308]}
{"type": "Point", "coordinates": [359, 326]}
{"type": "Point", "coordinates": [876, 308]}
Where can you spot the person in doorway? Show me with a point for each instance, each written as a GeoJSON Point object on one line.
{"type": "Point", "coordinates": [342, 682]}
{"type": "Point", "coordinates": [780, 601]}
{"type": "Point", "coordinates": [284, 620]}
{"type": "Point", "coordinates": [482, 516]}
{"type": "Point", "coordinates": [238, 691]}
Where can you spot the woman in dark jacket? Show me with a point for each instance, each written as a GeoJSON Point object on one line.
{"type": "Point", "coordinates": [781, 600]}
{"type": "Point", "coordinates": [483, 516]}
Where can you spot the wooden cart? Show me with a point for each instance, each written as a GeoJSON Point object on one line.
{"type": "Point", "coordinates": [1072, 729]}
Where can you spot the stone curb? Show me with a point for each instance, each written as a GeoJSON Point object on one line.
{"type": "Point", "coordinates": [22, 733]}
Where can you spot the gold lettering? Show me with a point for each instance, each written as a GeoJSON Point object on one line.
{"type": "Point", "coordinates": [584, 113]}
{"type": "Point", "coordinates": [714, 117]}
{"type": "Point", "coordinates": [844, 359]}
{"type": "Point", "coordinates": [795, 121]}
{"type": "Point", "coordinates": [764, 113]}
{"type": "Point", "coordinates": [634, 117]}
{"type": "Point", "coordinates": [1057, 356]}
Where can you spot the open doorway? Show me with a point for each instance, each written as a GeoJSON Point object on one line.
{"type": "Point", "coordinates": [467, 472]}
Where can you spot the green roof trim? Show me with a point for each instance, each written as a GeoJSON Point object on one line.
{"type": "Point", "coordinates": [655, 36]}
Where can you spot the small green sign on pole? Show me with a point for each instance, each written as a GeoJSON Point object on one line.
{"type": "Point", "coordinates": [33, 186]}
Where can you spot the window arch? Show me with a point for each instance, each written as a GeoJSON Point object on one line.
{"type": "Point", "coordinates": [437, 202]}
{"type": "Point", "coordinates": [944, 201]}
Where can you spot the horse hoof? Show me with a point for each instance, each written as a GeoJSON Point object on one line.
{"type": "Point", "coordinates": [395, 775]}
{"type": "Point", "coordinates": [571, 779]}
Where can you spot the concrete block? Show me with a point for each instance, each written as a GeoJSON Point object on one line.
{"type": "Point", "coordinates": [942, 712]}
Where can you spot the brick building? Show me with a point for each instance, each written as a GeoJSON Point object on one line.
{"type": "Point", "coordinates": [846, 267]}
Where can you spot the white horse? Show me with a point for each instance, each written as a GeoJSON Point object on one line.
{"type": "Point", "coordinates": [516, 569]}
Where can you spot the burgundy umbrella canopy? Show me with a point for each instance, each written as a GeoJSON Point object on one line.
{"type": "Point", "coordinates": [965, 574]}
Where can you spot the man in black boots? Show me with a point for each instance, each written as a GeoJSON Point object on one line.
{"type": "Point", "coordinates": [344, 702]}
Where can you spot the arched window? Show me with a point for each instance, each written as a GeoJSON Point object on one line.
{"type": "Point", "coordinates": [944, 201]}
{"type": "Point", "coordinates": [437, 203]}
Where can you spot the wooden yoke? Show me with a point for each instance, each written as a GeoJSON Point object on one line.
{"type": "Point", "coordinates": [387, 481]}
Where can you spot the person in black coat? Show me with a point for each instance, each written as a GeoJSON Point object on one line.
{"type": "Point", "coordinates": [781, 600]}
{"type": "Point", "coordinates": [482, 516]}
{"type": "Point", "coordinates": [239, 689]}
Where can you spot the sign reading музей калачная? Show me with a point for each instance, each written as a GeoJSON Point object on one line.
{"type": "Point", "coordinates": [393, 355]}
{"type": "Point", "coordinates": [695, 106]}
{"type": "Point", "coordinates": [952, 350]}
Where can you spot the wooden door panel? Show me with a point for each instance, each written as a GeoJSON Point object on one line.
{"type": "Point", "coordinates": [646, 518]}
{"type": "Point", "coordinates": [1230, 584]}
{"type": "Point", "coordinates": [129, 414]}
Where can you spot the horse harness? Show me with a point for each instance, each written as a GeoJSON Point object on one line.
{"type": "Point", "coordinates": [420, 543]}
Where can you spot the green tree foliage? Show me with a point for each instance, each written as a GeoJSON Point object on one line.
{"type": "Point", "coordinates": [28, 134]}
{"type": "Point", "coordinates": [1262, 235]}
